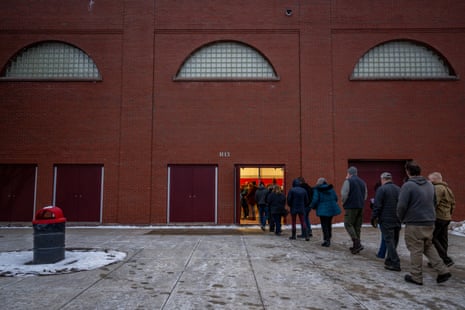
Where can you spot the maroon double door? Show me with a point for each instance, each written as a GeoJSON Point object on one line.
{"type": "Point", "coordinates": [370, 172]}
{"type": "Point", "coordinates": [17, 190]}
{"type": "Point", "coordinates": [192, 194]}
{"type": "Point", "coordinates": [78, 192]}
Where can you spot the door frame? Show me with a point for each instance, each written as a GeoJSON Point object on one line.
{"type": "Point", "coordinates": [102, 178]}
{"type": "Point", "coordinates": [237, 185]}
{"type": "Point", "coordinates": [168, 190]}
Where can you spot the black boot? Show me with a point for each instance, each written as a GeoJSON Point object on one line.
{"type": "Point", "coordinates": [305, 233]}
{"type": "Point", "coordinates": [293, 235]}
{"type": "Point", "coordinates": [357, 246]}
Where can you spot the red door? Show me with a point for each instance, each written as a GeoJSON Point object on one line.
{"type": "Point", "coordinates": [17, 189]}
{"type": "Point", "coordinates": [370, 172]}
{"type": "Point", "coordinates": [78, 192]}
{"type": "Point", "coordinates": [192, 194]}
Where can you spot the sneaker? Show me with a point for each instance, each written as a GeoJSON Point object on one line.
{"type": "Point", "coordinates": [443, 277]}
{"type": "Point", "coordinates": [263, 228]}
{"type": "Point", "coordinates": [392, 268]}
{"type": "Point", "coordinates": [409, 279]}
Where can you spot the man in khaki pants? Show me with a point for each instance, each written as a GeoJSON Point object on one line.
{"type": "Point", "coordinates": [415, 208]}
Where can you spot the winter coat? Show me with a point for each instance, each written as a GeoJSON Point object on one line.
{"type": "Point", "coordinates": [309, 190]}
{"type": "Point", "coordinates": [354, 193]}
{"type": "Point", "coordinates": [277, 203]}
{"type": "Point", "coordinates": [251, 195]}
{"type": "Point", "coordinates": [260, 195]}
{"type": "Point", "coordinates": [325, 200]}
{"type": "Point", "coordinates": [297, 198]}
{"type": "Point", "coordinates": [416, 202]}
{"type": "Point", "coordinates": [445, 201]}
{"type": "Point", "coordinates": [385, 206]}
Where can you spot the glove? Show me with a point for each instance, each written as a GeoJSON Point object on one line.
{"type": "Point", "coordinates": [374, 222]}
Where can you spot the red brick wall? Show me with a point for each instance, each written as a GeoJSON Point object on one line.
{"type": "Point", "coordinates": [313, 120]}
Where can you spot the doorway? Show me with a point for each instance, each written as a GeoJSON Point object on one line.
{"type": "Point", "coordinates": [252, 175]}
{"type": "Point", "coordinates": [192, 194]}
{"type": "Point", "coordinates": [17, 192]}
{"type": "Point", "coordinates": [78, 190]}
{"type": "Point", "coordinates": [370, 172]}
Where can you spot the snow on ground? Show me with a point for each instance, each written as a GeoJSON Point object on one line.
{"type": "Point", "coordinates": [18, 263]}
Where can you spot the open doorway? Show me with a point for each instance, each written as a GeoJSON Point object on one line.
{"type": "Point", "coordinates": [248, 177]}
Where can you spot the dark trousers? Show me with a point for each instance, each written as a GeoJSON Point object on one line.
{"type": "Point", "coordinates": [391, 237]}
{"type": "Point", "coordinates": [294, 221]}
{"type": "Point", "coordinates": [326, 227]}
{"type": "Point", "coordinates": [441, 239]}
{"type": "Point", "coordinates": [277, 223]}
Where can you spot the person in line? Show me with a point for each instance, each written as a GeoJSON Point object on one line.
{"type": "Point", "coordinates": [385, 214]}
{"type": "Point", "coordinates": [277, 203]}
{"type": "Point", "coordinates": [415, 209]}
{"type": "Point", "coordinates": [252, 188]}
{"type": "Point", "coordinates": [353, 196]}
{"type": "Point", "coordinates": [445, 205]}
{"type": "Point", "coordinates": [324, 200]}
{"type": "Point", "coordinates": [309, 190]}
{"type": "Point", "coordinates": [297, 199]}
{"type": "Point", "coordinates": [260, 198]}
{"type": "Point", "coordinates": [382, 245]}
{"type": "Point", "coordinates": [244, 204]}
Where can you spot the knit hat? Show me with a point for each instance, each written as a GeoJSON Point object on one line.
{"type": "Point", "coordinates": [321, 181]}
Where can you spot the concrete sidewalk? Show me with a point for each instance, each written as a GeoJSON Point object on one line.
{"type": "Point", "coordinates": [245, 269]}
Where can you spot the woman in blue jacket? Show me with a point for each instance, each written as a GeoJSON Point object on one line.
{"type": "Point", "coordinates": [325, 202]}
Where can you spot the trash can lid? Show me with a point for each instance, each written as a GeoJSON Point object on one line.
{"type": "Point", "coordinates": [49, 215]}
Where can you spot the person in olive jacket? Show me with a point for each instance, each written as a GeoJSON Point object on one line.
{"type": "Point", "coordinates": [324, 200]}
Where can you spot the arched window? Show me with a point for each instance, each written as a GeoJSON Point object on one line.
{"type": "Point", "coordinates": [226, 61]}
{"type": "Point", "coordinates": [401, 60]}
{"type": "Point", "coordinates": [51, 61]}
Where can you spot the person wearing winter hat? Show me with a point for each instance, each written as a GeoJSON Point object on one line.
{"type": "Point", "coordinates": [324, 200]}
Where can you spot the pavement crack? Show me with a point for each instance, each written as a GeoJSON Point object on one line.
{"type": "Point", "coordinates": [170, 295]}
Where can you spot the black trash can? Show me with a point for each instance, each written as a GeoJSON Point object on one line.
{"type": "Point", "coordinates": [49, 235]}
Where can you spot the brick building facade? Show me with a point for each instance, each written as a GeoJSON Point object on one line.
{"type": "Point", "coordinates": [139, 145]}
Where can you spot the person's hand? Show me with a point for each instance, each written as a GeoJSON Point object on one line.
{"type": "Point", "coordinates": [374, 222]}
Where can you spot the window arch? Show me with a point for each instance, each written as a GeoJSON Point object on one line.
{"type": "Point", "coordinates": [51, 60]}
{"type": "Point", "coordinates": [226, 60]}
{"type": "Point", "coordinates": [402, 60]}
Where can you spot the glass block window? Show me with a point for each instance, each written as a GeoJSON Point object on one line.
{"type": "Point", "coordinates": [51, 61]}
{"type": "Point", "coordinates": [402, 60]}
{"type": "Point", "coordinates": [226, 61]}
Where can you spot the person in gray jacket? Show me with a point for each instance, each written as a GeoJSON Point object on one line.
{"type": "Point", "coordinates": [415, 209]}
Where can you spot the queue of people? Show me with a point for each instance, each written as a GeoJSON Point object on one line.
{"type": "Point", "coordinates": [423, 205]}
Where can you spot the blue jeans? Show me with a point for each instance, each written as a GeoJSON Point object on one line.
{"type": "Point", "coordinates": [382, 246]}
{"type": "Point", "coordinates": [307, 220]}
{"type": "Point", "coordinates": [263, 213]}
{"type": "Point", "coordinates": [391, 238]}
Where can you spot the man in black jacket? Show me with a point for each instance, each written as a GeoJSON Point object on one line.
{"type": "Point", "coordinates": [385, 213]}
